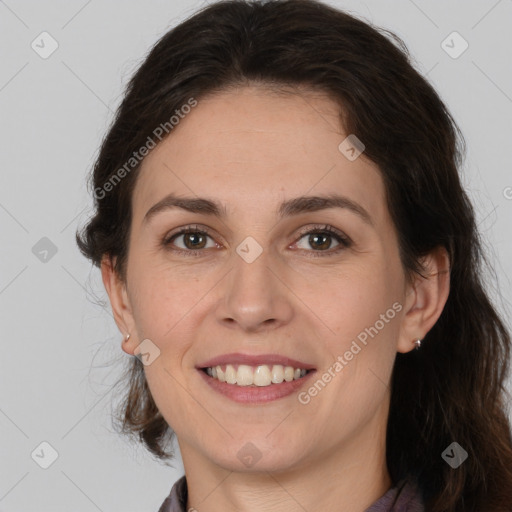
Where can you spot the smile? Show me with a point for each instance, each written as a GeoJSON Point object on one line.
{"type": "Point", "coordinates": [251, 393]}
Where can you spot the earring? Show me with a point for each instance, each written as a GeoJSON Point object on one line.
{"type": "Point", "coordinates": [127, 337]}
{"type": "Point", "coordinates": [418, 344]}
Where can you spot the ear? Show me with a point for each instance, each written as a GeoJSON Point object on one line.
{"type": "Point", "coordinates": [121, 307]}
{"type": "Point", "coordinates": [425, 299]}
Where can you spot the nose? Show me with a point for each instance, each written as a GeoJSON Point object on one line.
{"type": "Point", "coordinates": [255, 296]}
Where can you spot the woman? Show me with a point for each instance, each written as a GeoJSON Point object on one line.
{"type": "Point", "coordinates": [291, 257]}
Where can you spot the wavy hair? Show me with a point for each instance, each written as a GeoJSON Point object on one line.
{"type": "Point", "coordinates": [453, 389]}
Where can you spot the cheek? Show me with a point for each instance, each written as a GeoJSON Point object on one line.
{"type": "Point", "coordinates": [162, 297]}
{"type": "Point", "coordinates": [164, 303]}
{"type": "Point", "coordinates": [362, 309]}
{"type": "Point", "coordinates": [354, 298]}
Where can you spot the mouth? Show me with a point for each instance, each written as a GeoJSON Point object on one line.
{"type": "Point", "coordinates": [255, 379]}
{"type": "Point", "coordinates": [255, 385]}
{"type": "Point", "coordinates": [255, 370]}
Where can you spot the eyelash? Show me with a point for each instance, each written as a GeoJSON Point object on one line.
{"type": "Point", "coordinates": [344, 241]}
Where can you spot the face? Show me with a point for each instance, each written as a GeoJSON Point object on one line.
{"type": "Point", "coordinates": [266, 280]}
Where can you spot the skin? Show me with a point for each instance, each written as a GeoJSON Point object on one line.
{"type": "Point", "coordinates": [251, 149]}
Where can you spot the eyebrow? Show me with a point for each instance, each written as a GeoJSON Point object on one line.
{"type": "Point", "coordinates": [295, 206]}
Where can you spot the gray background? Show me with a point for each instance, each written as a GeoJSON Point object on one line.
{"type": "Point", "coordinates": [61, 348]}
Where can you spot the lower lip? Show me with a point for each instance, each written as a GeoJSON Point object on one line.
{"type": "Point", "coordinates": [255, 394]}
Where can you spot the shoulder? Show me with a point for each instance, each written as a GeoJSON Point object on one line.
{"type": "Point", "coordinates": [404, 497]}
{"type": "Point", "coordinates": [177, 499]}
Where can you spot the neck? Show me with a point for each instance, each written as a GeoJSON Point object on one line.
{"type": "Point", "coordinates": [351, 476]}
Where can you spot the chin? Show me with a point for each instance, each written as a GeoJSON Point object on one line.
{"type": "Point", "coordinates": [256, 456]}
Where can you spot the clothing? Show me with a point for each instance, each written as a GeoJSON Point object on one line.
{"type": "Point", "coordinates": [405, 497]}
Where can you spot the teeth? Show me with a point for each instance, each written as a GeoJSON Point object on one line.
{"type": "Point", "coordinates": [230, 374]}
{"type": "Point", "coordinates": [277, 374]}
{"type": "Point", "coordinates": [261, 375]}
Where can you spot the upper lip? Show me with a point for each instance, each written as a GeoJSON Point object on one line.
{"type": "Point", "coordinates": [254, 360]}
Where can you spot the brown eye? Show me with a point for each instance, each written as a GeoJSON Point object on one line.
{"type": "Point", "coordinates": [321, 240]}
{"type": "Point", "coordinates": [189, 240]}
{"type": "Point", "coordinates": [194, 240]}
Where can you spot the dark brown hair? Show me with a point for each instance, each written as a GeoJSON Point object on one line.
{"type": "Point", "coordinates": [453, 388]}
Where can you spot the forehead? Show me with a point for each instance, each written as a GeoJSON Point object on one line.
{"type": "Point", "coordinates": [251, 148]}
